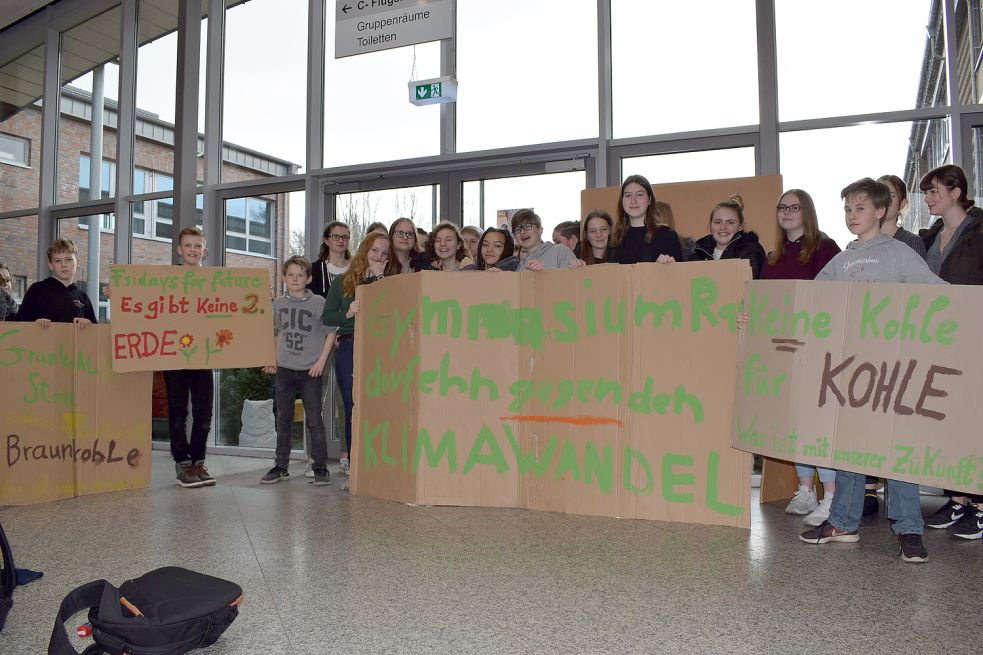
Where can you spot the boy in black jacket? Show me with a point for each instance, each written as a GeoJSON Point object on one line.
{"type": "Point", "coordinates": [58, 299]}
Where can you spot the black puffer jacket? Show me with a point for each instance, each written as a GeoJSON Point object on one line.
{"type": "Point", "coordinates": [964, 263]}
{"type": "Point", "coordinates": [744, 245]}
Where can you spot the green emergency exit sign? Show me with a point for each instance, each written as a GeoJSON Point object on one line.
{"type": "Point", "coordinates": [432, 92]}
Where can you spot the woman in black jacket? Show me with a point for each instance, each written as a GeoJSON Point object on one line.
{"type": "Point", "coordinates": [727, 238]}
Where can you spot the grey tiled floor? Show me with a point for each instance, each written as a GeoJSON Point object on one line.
{"type": "Point", "coordinates": [324, 572]}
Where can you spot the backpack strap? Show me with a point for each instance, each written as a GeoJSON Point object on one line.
{"type": "Point", "coordinates": [87, 596]}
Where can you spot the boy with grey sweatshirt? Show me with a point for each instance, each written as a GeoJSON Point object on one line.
{"type": "Point", "coordinates": [873, 257]}
{"type": "Point", "coordinates": [302, 348]}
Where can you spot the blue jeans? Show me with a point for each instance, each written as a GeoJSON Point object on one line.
{"type": "Point", "coordinates": [344, 368]}
{"type": "Point", "coordinates": [288, 384]}
{"type": "Point", "coordinates": [903, 504]}
{"type": "Point", "coordinates": [806, 471]}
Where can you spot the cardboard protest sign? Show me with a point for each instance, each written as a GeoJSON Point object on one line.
{"type": "Point", "coordinates": [605, 390]}
{"type": "Point", "coordinates": [881, 379]}
{"type": "Point", "coordinates": [177, 317]}
{"type": "Point", "coordinates": [692, 203]}
{"type": "Point", "coordinates": [70, 425]}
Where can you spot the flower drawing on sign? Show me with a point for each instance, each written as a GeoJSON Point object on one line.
{"type": "Point", "coordinates": [223, 338]}
{"type": "Point", "coordinates": [186, 340]}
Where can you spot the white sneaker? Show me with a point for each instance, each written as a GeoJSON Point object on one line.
{"type": "Point", "coordinates": [803, 502]}
{"type": "Point", "coordinates": [344, 465]}
{"type": "Point", "coordinates": [309, 471]}
{"type": "Point", "coordinates": [821, 513]}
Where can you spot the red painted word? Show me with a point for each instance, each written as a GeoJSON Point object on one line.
{"type": "Point", "coordinates": [138, 345]}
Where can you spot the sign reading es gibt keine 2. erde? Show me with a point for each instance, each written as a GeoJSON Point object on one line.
{"type": "Point", "coordinates": [882, 379]}
{"type": "Point", "coordinates": [190, 317]}
{"type": "Point", "coordinates": [363, 26]}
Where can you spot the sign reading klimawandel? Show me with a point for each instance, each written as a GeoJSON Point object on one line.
{"type": "Point", "coordinates": [604, 390]}
{"type": "Point", "coordinates": [882, 379]}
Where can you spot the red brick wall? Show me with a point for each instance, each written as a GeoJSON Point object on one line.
{"type": "Point", "coordinates": [19, 190]}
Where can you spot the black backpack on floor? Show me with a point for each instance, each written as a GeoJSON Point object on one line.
{"type": "Point", "coordinates": [8, 578]}
{"type": "Point", "coordinates": [168, 611]}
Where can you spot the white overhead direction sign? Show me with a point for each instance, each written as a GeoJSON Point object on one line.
{"type": "Point", "coordinates": [369, 25]}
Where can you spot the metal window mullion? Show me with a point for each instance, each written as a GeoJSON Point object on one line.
{"type": "Point", "coordinates": [213, 216]}
{"type": "Point", "coordinates": [316, 24]}
{"type": "Point", "coordinates": [125, 132]}
{"type": "Point", "coordinates": [767, 153]}
{"type": "Point", "coordinates": [448, 68]}
{"type": "Point", "coordinates": [607, 168]}
{"type": "Point", "coordinates": [956, 136]}
{"type": "Point", "coordinates": [186, 119]}
{"type": "Point", "coordinates": [49, 143]}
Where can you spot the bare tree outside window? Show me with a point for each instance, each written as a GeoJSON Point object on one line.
{"type": "Point", "coordinates": [358, 211]}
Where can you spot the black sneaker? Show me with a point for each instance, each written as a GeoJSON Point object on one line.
{"type": "Point", "coordinates": [871, 505]}
{"type": "Point", "coordinates": [825, 532]}
{"type": "Point", "coordinates": [202, 473]}
{"type": "Point", "coordinates": [946, 515]}
{"type": "Point", "coordinates": [186, 475]}
{"type": "Point", "coordinates": [274, 475]}
{"type": "Point", "coordinates": [912, 549]}
{"type": "Point", "coordinates": [970, 526]}
{"type": "Point", "coordinates": [321, 478]}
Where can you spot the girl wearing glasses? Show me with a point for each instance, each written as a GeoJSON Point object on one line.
{"type": "Point", "coordinates": [638, 236]}
{"type": "Point", "coordinates": [727, 238]}
{"type": "Point", "coordinates": [405, 255]}
{"type": "Point", "coordinates": [801, 251]}
{"type": "Point", "coordinates": [340, 310]}
{"type": "Point", "coordinates": [332, 260]}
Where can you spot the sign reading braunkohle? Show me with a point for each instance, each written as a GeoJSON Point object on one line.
{"type": "Point", "coordinates": [70, 425]}
{"type": "Point", "coordinates": [177, 317]}
{"type": "Point", "coordinates": [881, 379]}
{"type": "Point", "coordinates": [605, 390]}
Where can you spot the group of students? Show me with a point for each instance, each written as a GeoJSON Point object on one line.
{"type": "Point", "coordinates": [317, 314]}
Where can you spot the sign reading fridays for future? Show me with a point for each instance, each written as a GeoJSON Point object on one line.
{"type": "Point", "coordinates": [882, 379]}
{"type": "Point", "coordinates": [177, 317]}
{"type": "Point", "coordinates": [70, 426]}
{"type": "Point", "coordinates": [606, 390]}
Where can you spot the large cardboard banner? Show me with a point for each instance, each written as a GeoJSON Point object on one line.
{"type": "Point", "coordinates": [692, 202]}
{"type": "Point", "coordinates": [882, 379]}
{"type": "Point", "coordinates": [176, 317]}
{"type": "Point", "coordinates": [604, 390]}
{"type": "Point", "coordinates": [70, 426]}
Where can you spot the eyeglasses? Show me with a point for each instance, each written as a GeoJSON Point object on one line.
{"type": "Point", "coordinates": [788, 208]}
{"type": "Point", "coordinates": [525, 227]}
{"type": "Point", "coordinates": [404, 235]}
{"type": "Point", "coordinates": [340, 237]}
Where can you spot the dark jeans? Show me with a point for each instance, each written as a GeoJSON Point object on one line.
{"type": "Point", "coordinates": [290, 383]}
{"type": "Point", "coordinates": [344, 368]}
{"type": "Point", "coordinates": [199, 386]}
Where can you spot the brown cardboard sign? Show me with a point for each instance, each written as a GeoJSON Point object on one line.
{"type": "Point", "coordinates": [880, 379]}
{"type": "Point", "coordinates": [70, 425]}
{"type": "Point", "coordinates": [692, 203]}
{"type": "Point", "coordinates": [604, 390]}
{"type": "Point", "coordinates": [187, 317]}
